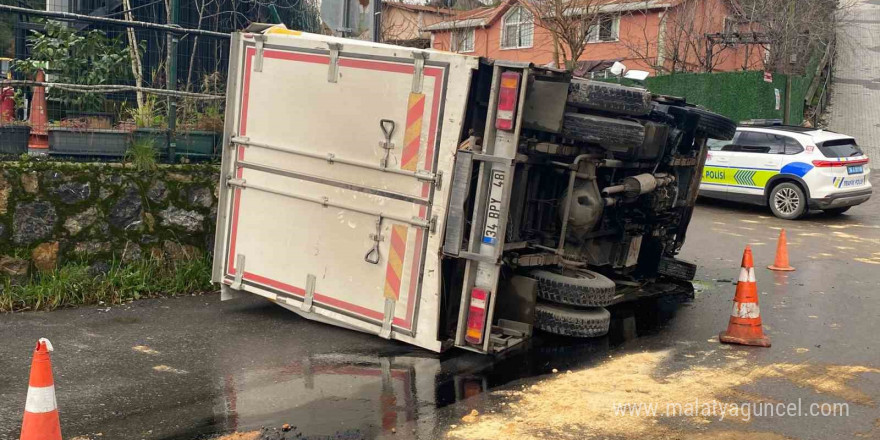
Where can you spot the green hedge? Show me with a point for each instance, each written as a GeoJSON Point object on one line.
{"type": "Point", "coordinates": [737, 95]}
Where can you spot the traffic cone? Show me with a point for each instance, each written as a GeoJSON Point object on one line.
{"type": "Point", "coordinates": [39, 119]}
{"type": "Point", "coordinates": [744, 327]}
{"type": "Point", "coordinates": [781, 263]}
{"type": "Point", "coordinates": [41, 409]}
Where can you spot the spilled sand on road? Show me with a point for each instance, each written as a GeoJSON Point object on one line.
{"type": "Point", "coordinates": [253, 435]}
{"type": "Point", "coordinates": [580, 404]}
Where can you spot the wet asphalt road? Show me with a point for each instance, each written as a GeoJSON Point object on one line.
{"type": "Point", "coordinates": [193, 367]}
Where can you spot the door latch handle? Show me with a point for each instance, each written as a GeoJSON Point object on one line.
{"type": "Point", "coordinates": [372, 255]}
{"type": "Point", "coordinates": [387, 126]}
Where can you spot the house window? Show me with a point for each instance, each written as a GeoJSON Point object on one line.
{"type": "Point", "coordinates": [606, 28]}
{"type": "Point", "coordinates": [517, 29]}
{"type": "Point", "coordinates": [463, 40]}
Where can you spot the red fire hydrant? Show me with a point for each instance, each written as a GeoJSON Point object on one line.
{"type": "Point", "coordinates": [7, 104]}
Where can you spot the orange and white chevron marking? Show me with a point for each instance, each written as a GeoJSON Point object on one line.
{"type": "Point", "coordinates": [41, 420]}
{"type": "Point", "coordinates": [412, 137]}
{"type": "Point", "coordinates": [396, 255]}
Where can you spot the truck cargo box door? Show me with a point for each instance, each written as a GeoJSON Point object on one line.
{"type": "Point", "coordinates": [334, 178]}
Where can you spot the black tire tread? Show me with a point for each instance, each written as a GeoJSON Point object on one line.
{"type": "Point", "coordinates": [714, 125]}
{"type": "Point", "coordinates": [598, 291]}
{"type": "Point", "coordinates": [608, 97]}
{"type": "Point", "coordinates": [602, 130]}
{"type": "Point", "coordinates": [569, 321]}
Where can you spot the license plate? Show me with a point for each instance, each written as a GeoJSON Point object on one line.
{"type": "Point", "coordinates": [492, 230]}
{"type": "Point", "coordinates": [855, 169]}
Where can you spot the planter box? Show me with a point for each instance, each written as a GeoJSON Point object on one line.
{"type": "Point", "coordinates": [14, 139]}
{"type": "Point", "coordinates": [197, 144]}
{"type": "Point", "coordinates": [79, 142]}
{"type": "Point", "coordinates": [156, 136]}
{"type": "Point", "coordinates": [190, 144]}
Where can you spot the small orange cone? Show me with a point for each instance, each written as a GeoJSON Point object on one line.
{"type": "Point", "coordinates": [41, 410]}
{"type": "Point", "coordinates": [745, 327]}
{"type": "Point", "coordinates": [781, 263]}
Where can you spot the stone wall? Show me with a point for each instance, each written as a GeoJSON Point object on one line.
{"type": "Point", "coordinates": [52, 213]}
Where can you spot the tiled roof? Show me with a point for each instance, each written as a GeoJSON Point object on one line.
{"type": "Point", "coordinates": [483, 17]}
{"type": "Point", "coordinates": [420, 8]}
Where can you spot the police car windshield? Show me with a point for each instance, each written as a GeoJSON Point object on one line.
{"type": "Point", "coordinates": [840, 148]}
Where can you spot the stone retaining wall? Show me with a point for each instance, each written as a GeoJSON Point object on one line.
{"type": "Point", "coordinates": [52, 213]}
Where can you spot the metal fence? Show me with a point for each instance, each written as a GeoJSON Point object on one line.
{"type": "Point", "coordinates": [130, 64]}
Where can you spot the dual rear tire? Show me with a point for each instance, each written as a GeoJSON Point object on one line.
{"type": "Point", "coordinates": [573, 303]}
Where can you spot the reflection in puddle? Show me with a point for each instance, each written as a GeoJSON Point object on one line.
{"type": "Point", "coordinates": [369, 396]}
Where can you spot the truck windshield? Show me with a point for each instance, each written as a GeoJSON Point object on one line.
{"type": "Point", "coordinates": [840, 148]}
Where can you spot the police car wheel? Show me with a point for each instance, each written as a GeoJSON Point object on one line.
{"type": "Point", "coordinates": [788, 201]}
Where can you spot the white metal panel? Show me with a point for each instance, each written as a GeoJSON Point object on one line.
{"type": "Point", "coordinates": [291, 104]}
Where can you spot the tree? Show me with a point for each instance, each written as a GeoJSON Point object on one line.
{"type": "Point", "coordinates": [137, 68]}
{"type": "Point", "coordinates": [678, 42]}
{"type": "Point", "coordinates": [88, 58]}
{"type": "Point", "coordinates": [794, 29]}
{"type": "Point", "coordinates": [569, 22]}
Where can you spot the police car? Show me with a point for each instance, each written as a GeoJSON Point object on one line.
{"type": "Point", "coordinates": [791, 169]}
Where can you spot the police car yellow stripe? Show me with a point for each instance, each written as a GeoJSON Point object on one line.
{"type": "Point", "coordinates": [744, 177]}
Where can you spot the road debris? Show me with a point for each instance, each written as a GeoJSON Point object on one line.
{"type": "Point", "coordinates": [291, 433]}
{"type": "Point", "coordinates": [167, 369]}
{"type": "Point", "coordinates": [566, 406]}
{"type": "Point", "coordinates": [471, 417]}
{"type": "Point", "coordinates": [145, 350]}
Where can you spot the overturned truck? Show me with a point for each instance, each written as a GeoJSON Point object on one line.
{"type": "Point", "coordinates": [446, 200]}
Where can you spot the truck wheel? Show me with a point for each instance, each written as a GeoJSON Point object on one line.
{"type": "Point", "coordinates": [582, 288]}
{"type": "Point", "coordinates": [713, 125]}
{"type": "Point", "coordinates": [607, 97]}
{"type": "Point", "coordinates": [569, 321]}
{"type": "Point", "coordinates": [787, 201]}
{"type": "Point", "coordinates": [603, 131]}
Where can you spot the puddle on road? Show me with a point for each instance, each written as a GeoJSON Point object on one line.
{"type": "Point", "coordinates": [369, 396]}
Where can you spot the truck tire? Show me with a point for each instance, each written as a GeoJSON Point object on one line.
{"type": "Point", "coordinates": [569, 321]}
{"type": "Point", "coordinates": [583, 288]}
{"type": "Point", "coordinates": [603, 131]}
{"type": "Point", "coordinates": [713, 125]}
{"type": "Point", "coordinates": [608, 97]}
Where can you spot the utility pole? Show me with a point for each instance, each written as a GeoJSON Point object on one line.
{"type": "Point", "coordinates": [376, 17]}
{"type": "Point", "coordinates": [171, 77]}
{"type": "Point", "coordinates": [786, 113]}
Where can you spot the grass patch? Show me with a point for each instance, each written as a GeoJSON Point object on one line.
{"type": "Point", "coordinates": [74, 284]}
{"type": "Point", "coordinates": [143, 155]}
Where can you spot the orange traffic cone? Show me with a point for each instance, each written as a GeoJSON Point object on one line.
{"type": "Point", "coordinates": [41, 410]}
{"type": "Point", "coordinates": [744, 327]}
{"type": "Point", "coordinates": [781, 263]}
{"type": "Point", "coordinates": [39, 119]}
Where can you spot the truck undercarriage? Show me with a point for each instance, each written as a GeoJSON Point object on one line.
{"type": "Point", "coordinates": [604, 183]}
